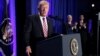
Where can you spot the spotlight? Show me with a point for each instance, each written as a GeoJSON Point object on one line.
{"type": "Point", "coordinates": [93, 5]}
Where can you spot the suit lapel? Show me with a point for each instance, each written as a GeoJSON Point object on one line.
{"type": "Point", "coordinates": [48, 25]}
{"type": "Point", "coordinates": [39, 24]}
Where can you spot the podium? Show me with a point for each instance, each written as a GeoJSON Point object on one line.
{"type": "Point", "coordinates": [61, 45]}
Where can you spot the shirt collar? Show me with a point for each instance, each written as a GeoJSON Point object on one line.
{"type": "Point", "coordinates": [42, 17]}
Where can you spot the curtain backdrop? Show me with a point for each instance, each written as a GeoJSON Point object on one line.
{"type": "Point", "coordinates": [59, 9]}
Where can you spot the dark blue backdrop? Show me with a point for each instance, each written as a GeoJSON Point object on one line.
{"type": "Point", "coordinates": [59, 9]}
{"type": "Point", "coordinates": [2, 6]}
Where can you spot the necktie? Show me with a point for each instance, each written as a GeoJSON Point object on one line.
{"type": "Point", "coordinates": [45, 28]}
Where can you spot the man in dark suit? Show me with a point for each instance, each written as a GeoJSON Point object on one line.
{"type": "Point", "coordinates": [37, 27]}
{"type": "Point", "coordinates": [69, 25]}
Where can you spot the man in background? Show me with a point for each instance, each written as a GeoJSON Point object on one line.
{"type": "Point", "coordinates": [69, 25]}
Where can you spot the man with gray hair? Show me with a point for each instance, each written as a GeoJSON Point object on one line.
{"type": "Point", "coordinates": [37, 27]}
{"type": "Point", "coordinates": [69, 25]}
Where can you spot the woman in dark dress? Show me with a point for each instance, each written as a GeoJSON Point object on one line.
{"type": "Point", "coordinates": [82, 29]}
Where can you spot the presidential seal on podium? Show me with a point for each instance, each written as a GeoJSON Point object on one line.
{"type": "Point", "coordinates": [74, 46]}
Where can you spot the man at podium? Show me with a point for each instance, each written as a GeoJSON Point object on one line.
{"type": "Point", "coordinates": [37, 28]}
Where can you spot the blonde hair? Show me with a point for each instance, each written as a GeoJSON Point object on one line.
{"type": "Point", "coordinates": [43, 2]}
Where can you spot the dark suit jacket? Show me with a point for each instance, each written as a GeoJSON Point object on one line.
{"type": "Point", "coordinates": [33, 29]}
{"type": "Point", "coordinates": [68, 28]}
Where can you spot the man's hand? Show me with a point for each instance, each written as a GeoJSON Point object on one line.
{"type": "Point", "coordinates": [28, 50]}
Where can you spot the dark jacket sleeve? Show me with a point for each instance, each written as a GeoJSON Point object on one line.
{"type": "Point", "coordinates": [65, 28]}
{"type": "Point", "coordinates": [27, 30]}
